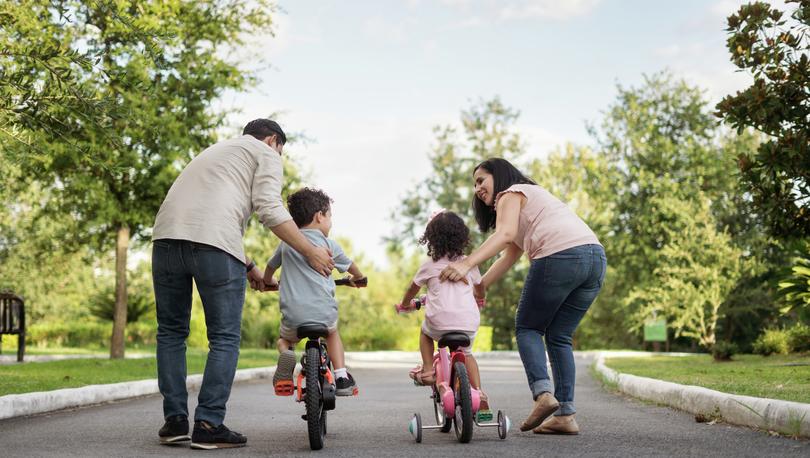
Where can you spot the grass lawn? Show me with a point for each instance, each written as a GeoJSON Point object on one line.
{"type": "Point", "coordinates": [776, 377]}
{"type": "Point", "coordinates": [52, 375]}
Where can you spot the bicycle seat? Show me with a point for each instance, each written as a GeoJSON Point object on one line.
{"type": "Point", "coordinates": [454, 340]}
{"type": "Point", "coordinates": [312, 331]}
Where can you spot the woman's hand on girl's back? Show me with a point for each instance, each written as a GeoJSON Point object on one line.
{"type": "Point", "coordinates": [456, 271]}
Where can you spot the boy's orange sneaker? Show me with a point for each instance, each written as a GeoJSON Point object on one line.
{"type": "Point", "coordinates": [283, 377]}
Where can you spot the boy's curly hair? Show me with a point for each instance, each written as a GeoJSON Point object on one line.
{"type": "Point", "coordinates": [305, 203]}
{"type": "Point", "coordinates": [445, 235]}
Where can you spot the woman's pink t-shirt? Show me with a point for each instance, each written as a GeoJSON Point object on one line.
{"type": "Point", "coordinates": [546, 225]}
{"type": "Point", "coordinates": [450, 305]}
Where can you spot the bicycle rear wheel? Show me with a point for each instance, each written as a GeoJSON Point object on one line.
{"type": "Point", "coordinates": [316, 416]}
{"type": "Point", "coordinates": [463, 423]}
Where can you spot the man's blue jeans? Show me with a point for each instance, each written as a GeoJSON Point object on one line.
{"type": "Point", "coordinates": [220, 280]}
{"type": "Point", "coordinates": [558, 291]}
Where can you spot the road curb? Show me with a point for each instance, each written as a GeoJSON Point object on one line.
{"type": "Point", "coordinates": [786, 417]}
{"type": "Point", "coordinates": [19, 405]}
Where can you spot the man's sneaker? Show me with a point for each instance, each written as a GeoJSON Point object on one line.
{"type": "Point", "coordinates": [175, 430]}
{"type": "Point", "coordinates": [208, 437]}
{"type": "Point", "coordinates": [346, 386]}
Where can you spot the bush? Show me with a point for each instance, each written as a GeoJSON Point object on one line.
{"type": "Point", "coordinates": [260, 332]}
{"type": "Point", "coordinates": [87, 334]}
{"type": "Point", "coordinates": [723, 351]}
{"type": "Point", "coordinates": [773, 341]}
{"type": "Point", "coordinates": [139, 304]}
{"type": "Point", "coordinates": [799, 338]}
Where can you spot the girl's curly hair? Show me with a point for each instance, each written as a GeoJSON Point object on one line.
{"type": "Point", "coordinates": [445, 235]}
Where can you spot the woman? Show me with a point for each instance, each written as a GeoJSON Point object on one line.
{"type": "Point", "coordinates": [567, 270]}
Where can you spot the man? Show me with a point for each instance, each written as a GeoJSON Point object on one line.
{"type": "Point", "coordinates": [198, 235]}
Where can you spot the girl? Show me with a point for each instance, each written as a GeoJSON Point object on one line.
{"type": "Point", "coordinates": [451, 306]}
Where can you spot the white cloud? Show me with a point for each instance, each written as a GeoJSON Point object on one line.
{"type": "Point", "coordinates": [540, 142]}
{"type": "Point", "coordinates": [551, 9]}
{"type": "Point", "coordinates": [524, 9]}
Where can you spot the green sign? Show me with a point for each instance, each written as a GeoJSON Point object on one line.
{"type": "Point", "coordinates": [655, 330]}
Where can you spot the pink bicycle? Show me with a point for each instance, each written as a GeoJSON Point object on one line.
{"type": "Point", "coordinates": [455, 402]}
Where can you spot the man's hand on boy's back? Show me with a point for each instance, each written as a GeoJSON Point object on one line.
{"type": "Point", "coordinates": [320, 259]}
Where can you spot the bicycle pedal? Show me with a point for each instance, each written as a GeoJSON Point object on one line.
{"type": "Point", "coordinates": [355, 391]}
{"type": "Point", "coordinates": [484, 415]}
{"type": "Point", "coordinates": [284, 388]}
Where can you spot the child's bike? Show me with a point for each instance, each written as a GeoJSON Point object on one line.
{"type": "Point", "coordinates": [315, 384]}
{"type": "Point", "coordinates": [455, 402]}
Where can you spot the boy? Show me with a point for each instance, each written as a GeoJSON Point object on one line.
{"type": "Point", "coordinates": [306, 296]}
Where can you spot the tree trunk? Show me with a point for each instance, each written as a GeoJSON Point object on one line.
{"type": "Point", "coordinates": [120, 316]}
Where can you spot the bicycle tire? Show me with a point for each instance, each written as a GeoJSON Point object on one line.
{"type": "Point", "coordinates": [464, 413]}
{"type": "Point", "coordinates": [316, 417]}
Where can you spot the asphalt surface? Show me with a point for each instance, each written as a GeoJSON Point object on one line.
{"type": "Point", "coordinates": [375, 424]}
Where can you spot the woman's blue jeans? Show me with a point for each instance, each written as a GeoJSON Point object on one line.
{"type": "Point", "coordinates": [558, 291]}
{"type": "Point", "coordinates": [220, 280]}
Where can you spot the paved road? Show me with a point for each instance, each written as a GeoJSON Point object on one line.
{"type": "Point", "coordinates": [375, 424]}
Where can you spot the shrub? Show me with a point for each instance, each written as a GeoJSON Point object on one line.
{"type": "Point", "coordinates": [722, 351]}
{"type": "Point", "coordinates": [139, 304]}
{"type": "Point", "coordinates": [86, 334]}
{"type": "Point", "coordinates": [260, 332]}
{"type": "Point", "coordinates": [799, 338]}
{"type": "Point", "coordinates": [772, 341]}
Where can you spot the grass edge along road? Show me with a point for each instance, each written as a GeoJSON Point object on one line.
{"type": "Point", "coordinates": [74, 373]}
{"type": "Point", "coordinates": [785, 377]}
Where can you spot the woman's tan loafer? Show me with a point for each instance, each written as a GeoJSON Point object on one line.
{"type": "Point", "coordinates": [561, 424]}
{"type": "Point", "coordinates": [544, 405]}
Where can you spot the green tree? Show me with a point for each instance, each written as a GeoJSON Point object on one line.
{"type": "Point", "coordinates": [795, 287]}
{"type": "Point", "coordinates": [41, 74]}
{"type": "Point", "coordinates": [775, 50]}
{"type": "Point", "coordinates": [161, 64]}
{"type": "Point", "coordinates": [702, 266]}
{"type": "Point", "coordinates": [662, 144]}
{"type": "Point", "coordinates": [487, 130]}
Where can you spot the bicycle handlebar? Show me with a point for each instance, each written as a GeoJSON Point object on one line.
{"type": "Point", "coordinates": [361, 283]}
{"type": "Point", "coordinates": [346, 281]}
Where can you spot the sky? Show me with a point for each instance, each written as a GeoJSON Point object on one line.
{"type": "Point", "coordinates": [366, 81]}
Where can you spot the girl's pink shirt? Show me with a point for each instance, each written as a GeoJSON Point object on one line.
{"type": "Point", "coordinates": [450, 305]}
{"type": "Point", "coordinates": [546, 225]}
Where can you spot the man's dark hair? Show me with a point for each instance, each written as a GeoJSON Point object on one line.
{"type": "Point", "coordinates": [504, 175]}
{"type": "Point", "coordinates": [305, 203]}
{"type": "Point", "coordinates": [262, 128]}
{"type": "Point", "coordinates": [446, 235]}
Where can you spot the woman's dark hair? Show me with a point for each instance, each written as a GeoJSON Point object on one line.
{"type": "Point", "coordinates": [305, 203]}
{"type": "Point", "coordinates": [445, 235]}
{"type": "Point", "coordinates": [504, 175]}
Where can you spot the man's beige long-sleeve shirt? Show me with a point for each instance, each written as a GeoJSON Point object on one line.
{"type": "Point", "coordinates": [212, 199]}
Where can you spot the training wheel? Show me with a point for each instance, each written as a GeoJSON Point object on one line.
{"type": "Point", "coordinates": [503, 424]}
{"type": "Point", "coordinates": [415, 427]}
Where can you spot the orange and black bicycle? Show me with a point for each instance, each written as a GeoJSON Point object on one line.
{"type": "Point", "coordinates": [315, 384]}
